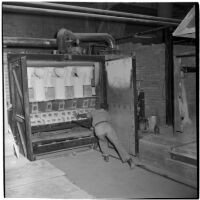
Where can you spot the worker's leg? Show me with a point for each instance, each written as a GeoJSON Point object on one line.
{"type": "Point", "coordinates": [112, 137]}
{"type": "Point", "coordinates": [103, 145]}
{"type": "Point", "coordinates": [100, 131]}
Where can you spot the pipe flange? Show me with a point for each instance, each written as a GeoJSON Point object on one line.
{"type": "Point", "coordinates": [65, 39]}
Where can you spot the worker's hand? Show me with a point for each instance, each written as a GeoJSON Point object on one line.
{"type": "Point", "coordinates": [76, 115]}
{"type": "Point", "coordinates": [92, 129]}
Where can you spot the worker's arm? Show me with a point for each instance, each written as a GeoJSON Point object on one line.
{"type": "Point", "coordinates": [85, 115]}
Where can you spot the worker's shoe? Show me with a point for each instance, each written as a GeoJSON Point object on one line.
{"type": "Point", "coordinates": [106, 158]}
{"type": "Point", "coordinates": [131, 163]}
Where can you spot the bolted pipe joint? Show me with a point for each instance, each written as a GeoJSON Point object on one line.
{"type": "Point", "coordinates": [65, 38]}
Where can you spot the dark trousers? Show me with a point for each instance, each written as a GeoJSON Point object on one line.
{"type": "Point", "coordinates": [105, 131]}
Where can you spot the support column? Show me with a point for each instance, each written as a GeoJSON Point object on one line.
{"type": "Point", "coordinates": [169, 74]}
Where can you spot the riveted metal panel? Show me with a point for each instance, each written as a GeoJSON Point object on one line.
{"type": "Point", "coordinates": [121, 100]}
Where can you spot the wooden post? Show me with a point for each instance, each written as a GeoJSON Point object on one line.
{"type": "Point", "coordinates": [177, 118]}
{"type": "Point", "coordinates": [169, 80]}
{"type": "Point", "coordinates": [135, 106]}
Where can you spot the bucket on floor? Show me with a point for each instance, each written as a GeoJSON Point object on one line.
{"type": "Point", "coordinates": [152, 120]}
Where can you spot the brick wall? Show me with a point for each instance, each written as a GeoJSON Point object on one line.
{"type": "Point", "coordinates": [150, 73]}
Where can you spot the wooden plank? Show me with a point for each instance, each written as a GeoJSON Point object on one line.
{"type": "Point", "coordinates": [58, 187]}
{"type": "Point", "coordinates": [61, 135]}
{"type": "Point", "coordinates": [62, 145]}
{"type": "Point", "coordinates": [12, 91]}
{"type": "Point", "coordinates": [183, 157]}
{"type": "Point", "coordinates": [184, 170]}
{"type": "Point", "coordinates": [30, 173]}
{"type": "Point", "coordinates": [65, 152]}
{"type": "Point", "coordinates": [186, 153]}
{"type": "Point", "coordinates": [177, 118]}
{"type": "Point", "coordinates": [48, 141]}
{"type": "Point", "coordinates": [59, 126]}
{"type": "Point", "coordinates": [169, 174]}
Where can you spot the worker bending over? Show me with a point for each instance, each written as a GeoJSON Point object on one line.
{"type": "Point", "coordinates": [104, 131]}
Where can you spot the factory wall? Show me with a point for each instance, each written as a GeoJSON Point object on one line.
{"type": "Point", "coordinates": [150, 76]}
{"type": "Point", "coordinates": [150, 58]}
{"type": "Point", "coordinates": [25, 25]}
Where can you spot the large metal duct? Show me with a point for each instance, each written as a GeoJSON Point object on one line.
{"type": "Point", "coordinates": [93, 10]}
{"type": "Point", "coordinates": [51, 12]}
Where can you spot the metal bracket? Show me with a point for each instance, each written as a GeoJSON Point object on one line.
{"type": "Point", "coordinates": [17, 84]}
{"type": "Point", "coordinates": [19, 118]}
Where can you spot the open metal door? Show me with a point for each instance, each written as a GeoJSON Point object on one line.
{"type": "Point", "coordinates": [121, 99]}
{"type": "Point", "coordinates": [19, 99]}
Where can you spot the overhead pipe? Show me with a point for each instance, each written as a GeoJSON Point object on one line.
{"type": "Point", "coordinates": [29, 42]}
{"type": "Point", "coordinates": [93, 10]}
{"type": "Point", "coordinates": [151, 30]}
{"type": "Point", "coordinates": [52, 43]}
{"type": "Point", "coordinates": [97, 37]}
{"type": "Point", "coordinates": [51, 12]}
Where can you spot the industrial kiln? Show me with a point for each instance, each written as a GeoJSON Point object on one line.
{"type": "Point", "coordinates": [48, 89]}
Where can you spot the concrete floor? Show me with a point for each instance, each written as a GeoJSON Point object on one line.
{"type": "Point", "coordinates": [38, 179]}
{"type": "Point", "coordinates": [114, 179]}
